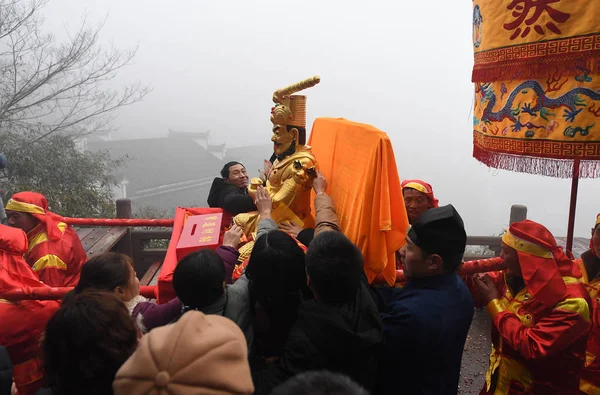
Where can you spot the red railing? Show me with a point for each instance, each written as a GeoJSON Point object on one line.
{"type": "Point", "coordinates": [56, 293]}
{"type": "Point", "coordinates": [44, 293]}
{"type": "Point", "coordinates": [124, 219]}
{"type": "Point", "coordinates": [469, 267]}
{"type": "Point", "coordinates": [125, 222]}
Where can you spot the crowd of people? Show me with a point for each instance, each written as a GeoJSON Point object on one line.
{"type": "Point", "coordinates": [302, 318]}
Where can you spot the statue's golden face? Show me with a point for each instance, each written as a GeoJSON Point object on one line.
{"type": "Point", "coordinates": [282, 138]}
{"type": "Point", "coordinates": [305, 171]}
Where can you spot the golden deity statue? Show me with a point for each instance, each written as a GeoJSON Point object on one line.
{"type": "Point", "coordinates": [289, 181]}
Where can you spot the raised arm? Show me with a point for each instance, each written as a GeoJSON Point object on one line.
{"type": "Point", "coordinates": [228, 251]}
{"type": "Point", "coordinates": [264, 204]}
{"type": "Point", "coordinates": [326, 217]}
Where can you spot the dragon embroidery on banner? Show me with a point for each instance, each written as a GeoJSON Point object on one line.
{"type": "Point", "coordinates": [574, 102]}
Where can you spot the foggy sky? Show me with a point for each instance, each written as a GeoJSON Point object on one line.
{"type": "Point", "coordinates": [403, 67]}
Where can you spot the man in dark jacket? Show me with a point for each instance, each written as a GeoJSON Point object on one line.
{"type": "Point", "coordinates": [340, 330]}
{"type": "Point", "coordinates": [426, 322]}
{"type": "Point", "coordinates": [230, 191]}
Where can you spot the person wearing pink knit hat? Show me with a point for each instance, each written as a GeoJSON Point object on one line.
{"type": "Point", "coordinates": [199, 354]}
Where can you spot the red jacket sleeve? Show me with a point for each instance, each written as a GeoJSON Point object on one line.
{"type": "Point", "coordinates": [566, 323]}
{"type": "Point", "coordinates": [478, 300]}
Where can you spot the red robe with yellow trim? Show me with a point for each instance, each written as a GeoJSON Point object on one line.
{"type": "Point", "coordinates": [590, 377]}
{"type": "Point", "coordinates": [535, 349]}
{"type": "Point", "coordinates": [22, 323]}
{"type": "Point", "coordinates": [57, 262]}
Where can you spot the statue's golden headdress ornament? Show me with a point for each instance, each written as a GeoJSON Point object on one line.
{"type": "Point", "coordinates": [279, 94]}
{"type": "Point", "coordinates": [291, 109]}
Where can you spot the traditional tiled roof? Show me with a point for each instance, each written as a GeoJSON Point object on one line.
{"type": "Point", "coordinates": [216, 148]}
{"type": "Point", "coordinates": [188, 135]}
{"type": "Point", "coordinates": [252, 157]}
{"type": "Point", "coordinates": [162, 166]}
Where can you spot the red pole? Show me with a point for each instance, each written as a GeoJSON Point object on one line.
{"type": "Point", "coordinates": [167, 223]}
{"type": "Point", "coordinates": [57, 293]}
{"type": "Point", "coordinates": [573, 205]}
{"type": "Point", "coordinates": [469, 267]}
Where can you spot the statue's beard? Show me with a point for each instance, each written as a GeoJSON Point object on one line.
{"type": "Point", "coordinates": [287, 152]}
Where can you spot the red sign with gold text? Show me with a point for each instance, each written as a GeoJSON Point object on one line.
{"type": "Point", "coordinates": [200, 231]}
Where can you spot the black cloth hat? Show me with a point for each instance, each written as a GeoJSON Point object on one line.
{"type": "Point", "coordinates": [440, 231]}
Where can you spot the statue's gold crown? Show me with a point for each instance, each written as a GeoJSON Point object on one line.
{"type": "Point", "coordinates": [291, 109]}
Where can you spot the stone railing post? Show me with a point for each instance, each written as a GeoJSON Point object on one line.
{"type": "Point", "coordinates": [518, 213]}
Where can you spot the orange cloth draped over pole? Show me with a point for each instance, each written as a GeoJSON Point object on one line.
{"type": "Point", "coordinates": [537, 88]}
{"type": "Point", "coordinates": [359, 164]}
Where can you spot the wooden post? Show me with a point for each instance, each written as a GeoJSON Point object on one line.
{"type": "Point", "coordinates": [124, 208]}
{"type": "Point", "coordinates": [125, 245]}
{"type": "Point", "coordinates": [573, 205]}
{"type": "Point", "coordinates": [518, 213]}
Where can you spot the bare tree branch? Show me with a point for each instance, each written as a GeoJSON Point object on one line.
{"type": "Point", "coordinates": [48, 87]}
{"type": "Point", "coordinates": [14, 14]}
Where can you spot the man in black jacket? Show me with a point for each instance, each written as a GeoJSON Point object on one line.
{"type": "Point", "coordinates": [426, 322]}
{"type": "Point", "coordinates": [340, 330]}
{"type": "Point", "coordinates": [230, 191]}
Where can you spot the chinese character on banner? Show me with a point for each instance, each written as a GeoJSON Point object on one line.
{"type": "Point", "coordinates": [206, 239]}
{"type": "Point", "coordinates": [530, 11]}
{"type": "Point", "coordinates": [211, 218]}
{"type": "Point", "coordinates": [205, 231]}
{"type": "Point", "coordinates": [208, 224]}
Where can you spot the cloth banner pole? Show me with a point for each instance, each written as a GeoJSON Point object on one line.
{"type": "Point", "coordinates": [573, 205]}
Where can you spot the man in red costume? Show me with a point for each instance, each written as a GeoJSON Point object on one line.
{"type": "Point", "coordinates": [22, 322]}
{"type": "Point", "coordinates": [590, 268]}
{"type": "Point", "coordinates": [540, 312]}
{"type": "Point", "coordinates": [418, 198]}
{"type": "Point", "coordinates": [55, 251]}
